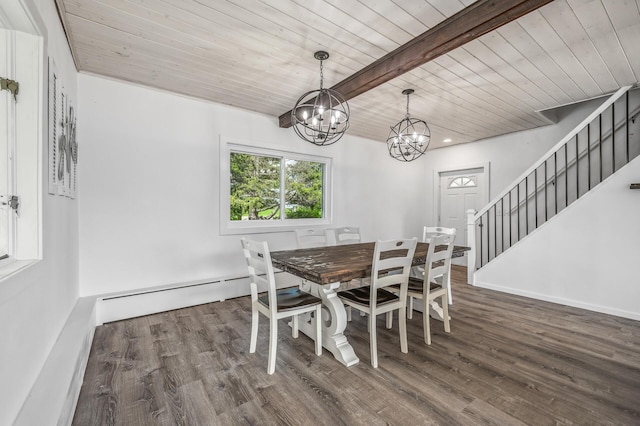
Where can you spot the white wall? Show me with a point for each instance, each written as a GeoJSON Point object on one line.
{"type": "Point", "coordinates": [149, 212]}
{"type": "Point", "coordinates": [586, 256]}
{"type": "Point", "coordinates": [35, 304]}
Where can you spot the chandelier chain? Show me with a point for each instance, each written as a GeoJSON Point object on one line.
{"type": "Point", "coordinates": [321, 75]}
{"type": "Point", "coordinates": [407, 105]}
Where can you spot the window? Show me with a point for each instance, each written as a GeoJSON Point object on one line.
{"type": "Point", "coordinates": [20, 150]}
{"type": "Point", "coordinates": [271, 190]}
{"type": "Point", "coordinates": [463, 182]}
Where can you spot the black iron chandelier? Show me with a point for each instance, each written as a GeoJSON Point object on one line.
{"type": "Point", "coordinates": [409, 138]}
{"type": "Point", "coordinates": [321, 116]}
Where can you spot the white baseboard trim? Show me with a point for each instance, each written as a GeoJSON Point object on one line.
{"type": "Point", "coordinates": [560, 300]}
{"type": "Point", "coordinates": [55, 393]}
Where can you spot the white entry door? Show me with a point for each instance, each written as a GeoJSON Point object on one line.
{"type": "Point", "coordinates": [460, 191]}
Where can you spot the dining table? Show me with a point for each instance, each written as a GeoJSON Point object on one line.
{"type": "Point", "coordinates": [324, 271]}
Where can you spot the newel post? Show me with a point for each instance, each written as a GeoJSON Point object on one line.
{"type": "Point", "coordinates": [471, 242]}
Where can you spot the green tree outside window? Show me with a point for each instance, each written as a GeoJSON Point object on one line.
{"type": "Point", "coordinates": [303, 189]}
{"type": "Point", "coordinates": [256, 192]}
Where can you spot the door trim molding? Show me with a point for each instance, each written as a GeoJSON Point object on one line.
{"type": "Point", "coordinates": [486, 170]}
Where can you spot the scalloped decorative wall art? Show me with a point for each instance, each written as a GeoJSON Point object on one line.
{"type": "Point", "coordinates": [63, 144]}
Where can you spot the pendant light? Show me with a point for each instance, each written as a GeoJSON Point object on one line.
{"type": "Point", "coordinates": [410, 137]}
{"type": "Point", "coordinates": [321, 116]}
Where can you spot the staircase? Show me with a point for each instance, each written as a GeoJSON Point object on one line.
{"type": "Point", "coordinates": [597, 148]}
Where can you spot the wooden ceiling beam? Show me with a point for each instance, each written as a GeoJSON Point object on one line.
{"type": "Point", "coordinates": [470, 23]}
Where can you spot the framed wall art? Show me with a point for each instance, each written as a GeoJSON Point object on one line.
{"type": "Point", "coordinates": [63, 144]}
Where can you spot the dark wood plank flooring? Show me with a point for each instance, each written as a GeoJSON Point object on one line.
{"type": "Point", "coordinates": [509, 360]}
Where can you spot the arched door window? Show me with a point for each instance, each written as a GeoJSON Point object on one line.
{"type": "Point", "coordinates": [463, 182]}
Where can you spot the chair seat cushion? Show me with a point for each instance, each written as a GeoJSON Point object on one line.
{"type": "Point", "coordinates": [362, 295]}
{"type": "Point", "coordinates": [291, 298]}
{"type": "Point", "coordinates": [415, 285]}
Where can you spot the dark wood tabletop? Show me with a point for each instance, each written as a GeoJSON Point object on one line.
{"type": "Point", "coordinates": [330, 264]}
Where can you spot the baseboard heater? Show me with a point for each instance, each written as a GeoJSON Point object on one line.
{"type": "Point", "coordinates": [131, 304]}
{"type": "Point", "coordinates": [174, 287]}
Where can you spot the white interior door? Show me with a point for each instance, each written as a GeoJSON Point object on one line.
{"type": "Point", "coordinates": [459, 191]}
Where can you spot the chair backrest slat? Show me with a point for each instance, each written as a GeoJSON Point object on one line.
{"type": "Point", "coordinates": [431, 231]}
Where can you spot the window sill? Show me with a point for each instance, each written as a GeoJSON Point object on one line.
{"type": "Point", "coordinates": [11, 267]}
{"type": "Point", "coordinates": [264, 227]}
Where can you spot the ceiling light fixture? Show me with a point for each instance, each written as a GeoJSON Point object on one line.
{"type": "Point", "coordinates": [321, 116]}
{"type": "Point", "coordinates": [409, 138]}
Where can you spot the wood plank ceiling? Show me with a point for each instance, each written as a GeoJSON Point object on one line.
{"type": "Point", "coordinates": [258, 55]}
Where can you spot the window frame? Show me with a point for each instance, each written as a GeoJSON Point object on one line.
{"type": "Point", "coordinates": [26, 64]}
{"type": "Point", "coordinates": [235, 227]}
{"type": "Point", "coordinates": [7, 151]}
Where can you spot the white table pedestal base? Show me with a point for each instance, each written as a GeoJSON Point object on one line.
{"type": "Point", "coordinates": [334, 321]}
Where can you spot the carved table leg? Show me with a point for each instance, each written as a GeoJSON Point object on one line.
{"type": "Point", "coordinates": [334, 321]}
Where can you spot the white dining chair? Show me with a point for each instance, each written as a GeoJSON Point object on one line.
{"type": "Point", "coordinates": [433, 284]}
{"type": "Point", "coordinates": [396, 256]}
{"type": "Point", "coordinates": [429, 232]}
{"type": "Point", "coordinates": [311, 237]}
{"type": "Point", "coordinates": [276, 304]}
{"type": "Point", "coordinates": [343, 235]}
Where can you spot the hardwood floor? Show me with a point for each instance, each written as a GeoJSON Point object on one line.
{"type": "Point", "coordinates": [508, 361]}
